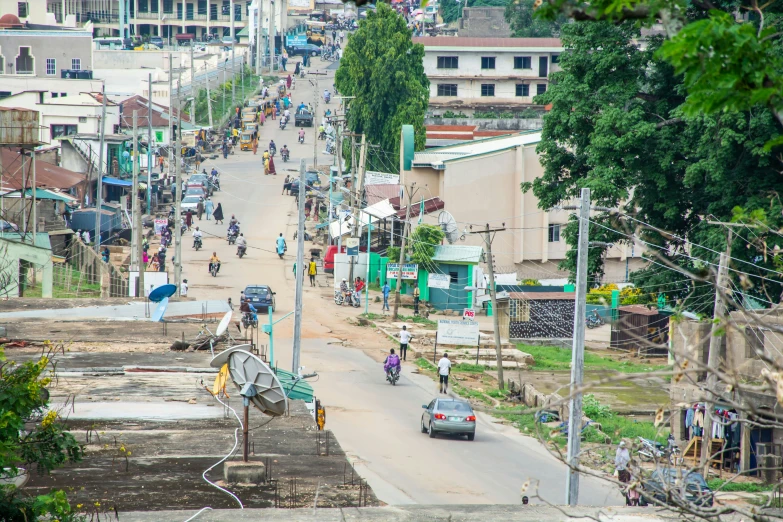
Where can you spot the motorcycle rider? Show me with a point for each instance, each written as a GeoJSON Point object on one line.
{"type": "Point", "coordinates": [272, 147]}
{"type": "Point", "coordinates": [321, 132]}
{"type": "Point", "coordinates": [233, 221]}
{"type": "Point", "coordinates": [392, 361]}
{"type": "Point", "coordinates": [301, 135]}
{"type": "Point", "coordinates": [280, 244]}
{"type": "Point", "coordinates": [197, 234]}
{"type": "Point", "coordinates": [246, 307]}
{"type": "Point", "coordinates": [345, 290]}
{"type": "Point", "coordinates": [241, 243]}
{"type": "Point", "coordinates": [214, 260]}
{"type": "Point", "coordinates": [284, 152]}
{"type": "Point", "coordinates": [326, 95]}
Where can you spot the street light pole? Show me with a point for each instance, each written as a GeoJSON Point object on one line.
{"type": "Point", "coordinates": [99, 188]}
{"type": "Point", "coordinates": [299, 270]}
{"type": "Point", "coordinates": [178, 181]}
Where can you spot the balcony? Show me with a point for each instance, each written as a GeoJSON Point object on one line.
{"type": "Point", "coordinates": [147, 16]}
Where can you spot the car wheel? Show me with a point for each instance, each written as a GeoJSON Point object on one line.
{"type": "Point", "coordinates": [471, 436]}
{"type": "Point", "coordinates": [313, 54]}
{"type": "Point", "coordinates": [431, 431]}
{"type": "Point", "coordinates": [423, 429]}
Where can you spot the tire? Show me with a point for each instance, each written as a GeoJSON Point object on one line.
{"type": "Point", "coordinates": [423, 429]}
{"type": "Point", "coordinates": [313, 53]}
{"type": "Point", "coordinates": [431, 431]}
{"type": "Point", "coordinates": [471, 436]}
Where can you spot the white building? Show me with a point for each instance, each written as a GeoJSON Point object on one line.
{"type": "Point", "coordinates": [487, 74]}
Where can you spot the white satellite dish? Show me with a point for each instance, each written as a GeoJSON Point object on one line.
{"type": "Point", "coordinates": [449, 226]}
{"type": "Point", "coordinates": [222, 358]}
{"type": "Point", "coordinates": [247, 369]}
{"type": "Point", "coordinates": [223, 326]}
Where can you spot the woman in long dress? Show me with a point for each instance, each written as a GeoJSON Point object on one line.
{"type": "Point", "coordinates": [218, 214]}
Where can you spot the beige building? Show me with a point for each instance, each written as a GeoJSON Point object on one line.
{"type": "Point", "coordinates": [480, 184]}
{"type": "Point", "coordinates": [487, 74]}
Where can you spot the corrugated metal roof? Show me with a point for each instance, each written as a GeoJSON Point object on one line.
{"type": "Point", "coordinates": [543, 296]}
{"type": "Point", "coordinates": [441, 155]}
{"type": "Point", "coordinates": [375, 193]}
{"type": "Point", "coordinates": [41, 238]}
{"type": "Point", "coordinates": [467, 41]}
{"type": "Point", "coordinates": [638, 310]}
{"type": "Point", "coordinates": [458, 254]}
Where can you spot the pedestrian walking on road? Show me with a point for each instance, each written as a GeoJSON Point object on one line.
{"type": "Point", "coordinates": [200, 208]}
{"type": "Point", "coordinates": [386, 289]}
{"type": "Point", "coordinates": [272, 166]}
{"type": "Point", "coordinates": [308, 208]}
{"type": "Point", "coordinates": [286, 185]}
{"type": "Point", "coordinates": [189, 218]}
{"type": "Point", "coordinates": [209, 207]}
{"type": "Point", "coordinates": [266, 165]}
{"type": "Point", "coordinates": [255, 146]}
{"type": "Point", "coordinates": [218, 213]}
{"type": "Point", "coordinates": [444, 368]}
{"type": "Point", "coordinates": [288, 82]}
{"type": "Point", "coordinates": [312, 271]}
{"type": "Point", "coordinates": [416, 295]}
{"type": "Point", "coordinates": [405, 337]}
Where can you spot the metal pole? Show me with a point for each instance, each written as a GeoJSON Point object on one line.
{"type": "Point", "coordinates": [398, 279]}
{"type": "Point", "coordinates": [149, 146]}
{"type": "Point", "coordinates": [258, 37]}
{"type": "Point", "coordinates": [33, 188]}
{"type": "Point", "coordinates": [367, 273]}
{"type": "Point", "coordinates": [138, 231]}
{"type": "Point", "coordinates": [272, 39]}
{"type": "Point", "coordinates": [209, 98]}
{"type": "Point", "coordinates": [99, 191]}
{"type": "Point", "coordinates": [233, 66]}
{"type": "Point", "coordinates": [578, 353]}
{"type": "Point", "coordinates": [713, 360]}
{"type": "Point", "coordinates": [299, 270]}
{"type": "Point", "coordinates": [271, 337]}
{"type": "Point", "coordinates": [134, 261]}
{"type": "Point", "coordinates": [245, 437]}
{"type": "Point", "coordinates": [171, 110]}
{"type": "Point", "coordinates": [193, 91]}
{"type": "Point", "coordinates": [178, 203]}
{"type": "Point", "coordinates": [495, 312]}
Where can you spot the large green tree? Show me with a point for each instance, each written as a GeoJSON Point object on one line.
{"type": "Point", "coordinates": [520, 14]}
{"type": "Point", "coordinates": [383, 70]}
{"type": "Point", "coordinates": [619, 126]}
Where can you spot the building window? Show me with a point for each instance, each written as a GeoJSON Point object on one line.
{"type": "Point", "coordinates": [202, 7]}
{"type": "Point", "coordinates": [555, 58]}
{"type": "Point", "coordinates": [754, 342]}
{"type": "Point", "coordinates": [55, 95]}
{"type": "Point", "coordinates": [541, 88]}
{"type": "Point", "coordinates": [76, 64]}
{"type": "Point", "coordinates": [154, 6]}
{"type": "Point", "coordinates": [143, 6]}
{"type": "Point", "coordinates": [59, 131]}
{"type": "Point", "coordinates": [189, 11]}
{"type": "Point", "coordinates": [51, 67]}
{"type": "Point", "coordinates": [25, 62]}
{"type": "Point", "coordinates": [21, 8]}
{"type": "Point", "coordinates": [453, 278]}
{"type": "Point", "coordinates": [448, 62]}
{"type": "Point", "coordinates": [522, 62]}
{"type": "Point", "coordinates": [82, 119]}
{"type": "Point", "coordinates": [2, 65]}
{"type": "Point", "coordinates": [487, 62]}
{"type": "Point", "coordinates": [63, 94]}
{"type": "Point", "coordinates": [523, 89]}
{"type": "Point", "coordinates": [519, 310]}
{"type": "Point", "coordinates": [447, 89]}
{"type": "Point", "coordinates": [487, 89]}
{"type": "Point", "coordinates": [554, 233]}
{"type": "Point", "coordinates": [168, 6]}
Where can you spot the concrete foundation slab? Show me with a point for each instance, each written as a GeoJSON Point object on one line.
{"type": "Point", "coordinates": [240, 472]}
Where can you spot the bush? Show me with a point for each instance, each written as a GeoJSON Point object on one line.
{"type": "Point", "coordinates": [451, 114]}
{"type": "Point", "coordinates": [491, 115]}
{"type": "Point", "coordinates": [594, 409]}
{"type": "Point", "coordinates": [530, 282]}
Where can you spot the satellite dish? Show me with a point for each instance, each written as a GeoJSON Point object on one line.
{"type": "Point", "coordinates": [163, 291]}
{"type": "Point", "coordinates": [247, 369]}
{"type": "Point", "coordinates": [223, 326]}
{"type": "Point", "coordinates": [222, 358]}
{"type": "Point", "coordinates": [449, 226]}
{"type": "Point", "coordinates": [157, 315]}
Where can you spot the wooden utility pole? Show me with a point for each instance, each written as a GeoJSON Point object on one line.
{"type": "Point", "coordinates": [137, 221]}
{"type": "Point", "coordinates": [398, 280]}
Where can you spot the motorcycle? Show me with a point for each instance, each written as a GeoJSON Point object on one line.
{"type": "Point", "coordinates": [248, 321]}
{"type": "Point", "coordinates": [284, 154]}
{"type": "Point", "coordinates": [197, 244]}
{"type": "Point", "coordinates": [327, 97]}
{"type": "Point", "coordinates": [301, 139]}
{"type": "Point", "coordinates": [329, 146]}
{"type": "Point", "coordinates": [393, 375]}
{"type": "Point", "coordinates": [213, 269]}
{"type": "Point", "coordinates": [283, 122]}
{"type": "Point", "coordinates": [594, 320]}
{"type": "Point", "coordinates": [241, 249]}
{"type": "Point", "coordinates": [651, 450]}
{"type": "Point", "coordinates": [349, 297]}
{"type": "Point", "coordinates": [232, 235]}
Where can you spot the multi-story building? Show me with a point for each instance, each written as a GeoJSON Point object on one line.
{"type": "Point", "coordinates": [487, 74]}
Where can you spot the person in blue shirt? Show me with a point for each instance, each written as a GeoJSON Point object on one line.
{"type": "Point", "coordinates": [386, 289]}
{"type": "Point", "coordinates": [280, 245]}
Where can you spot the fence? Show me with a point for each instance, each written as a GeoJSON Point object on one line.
{"type": "Point", "coordinates": [91, 268]}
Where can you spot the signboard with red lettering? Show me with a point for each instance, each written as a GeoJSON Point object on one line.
{"type": "Point", "coordinates": [469, 314]}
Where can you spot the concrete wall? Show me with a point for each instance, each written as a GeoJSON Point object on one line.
{"type": "Point", "coordinates": [484, 22]}
{"type": "Point", "coordinates": [50, 85]}
{"type": "Point", "coordinates": [61, 46]}
{"type": "Point", "coordinates": [520, 124]}
{"type": "Point", "coordinates": [12, 253]}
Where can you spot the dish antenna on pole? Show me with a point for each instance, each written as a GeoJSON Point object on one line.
{"type": "Point", "coordinates": [256, 382]}
{"type": "Point", "coordinates": [449, 226]}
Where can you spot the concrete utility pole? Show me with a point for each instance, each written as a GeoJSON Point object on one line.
{"type": "Point", "coordinates": [209, 98]}
{"type": "Point", "coordinates": [233, 67]}
{"type": "Point", "coordinates": [272, 38]}
{"type": "Point", "coordinates": [713, 360]}
{"type": "Point", "coordinates": [356, 195]}
{"type": "Point", "coordinates": [258, 37]}
{"type": "Point", "coordinates": [137, 221]}
{"type": "Point", "coordinates": [149, 145]}
{"type": "Point", "coordinates": [134, 260]}
{"type": "Point", "coordinates": [493, 295]}
{"type": "Point", "coordinates": [99, 187]}
{"type": "Point", "coordinates": [398, 279]}
{"type": "Point", "coordinates": [178, 203]}
{"type": "Point", "coordinates": [171, 109]}
{"type": "Point", "coordinates": [578, 353]}
{"type": "Point", "coordinates": [299, 273]}
{"type": "Point", "coordinates": [193, 91]}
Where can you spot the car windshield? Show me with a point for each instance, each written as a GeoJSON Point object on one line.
{"type": "Point", "coordinates": [454, 406]}
{"type": "Point", "coordinates": [190, 199]}
{"type": "Point", "coordinates": [259, 291]}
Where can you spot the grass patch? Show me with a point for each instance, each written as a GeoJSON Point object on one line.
{"type": "Point", "coordinates": [618, 428]}
{"type": "Point", "coordinates": [747, 487]}
{"type": "Point", "coordinates": [469, 368]}
{"type": "Point", "coordinates": [371, 316]}
{"type": "Point", "coordinates": [417, 320]}
{"type": "Point", "coordinates": [468, 393]}
{"type": "Point", "coordinates": [59, 291]}
{"type": "Point", "coordinates": [553, 358]}
{"type": "Point", "coordinates": [424, 364]}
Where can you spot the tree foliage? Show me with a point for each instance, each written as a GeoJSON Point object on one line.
{"type": "Point", "coordinates": [520, 14]}
{"type": "Point", "coordinates": [31, 439]}
{"type": "Point", "coordinates": [383, 70]}
{"type": "Point", "coordinates": [422, 243]}
{"type": "Point", "coordinates": [620, 125]}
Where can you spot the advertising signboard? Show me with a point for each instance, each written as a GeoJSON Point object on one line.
{"type": "Point", "coordinates": [409, 270]}
{"type": "Point", "coordinates": [465, 333]}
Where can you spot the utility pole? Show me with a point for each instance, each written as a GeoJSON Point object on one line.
{"type": "Point", "coordinates": [178, 181]}
{"type": "Point", "coordinates": [233, 66]}
{"type": "Point", "coordinates": [171, 110]}
{"type": "Point", "coordinates": [299, 273]}
{"type": "Point", "coordinates": [398, 280]}
{"type": "Point", "coordinates": [578, 353]}
{"type": "Point", "coordinates": [137, 224]}
{"type": "Point", "coordinates": [149, 145]}
{"type": "Point", "coordinates": [134, 261]}
{"type": "Point", "coordinates": [713, 359]}
{"type": "Point", "coordinates": [356, 191]}
{"type": "Point", "coordinates": [193, 91]}
{"type": "Point", "coordinates": [272, 39]}
{"type": "Point", "coordinates": [258, 38]}
{"type": "Point", "coordinates": [99, 187]}
{"type": "Point", "coordinates": [209, 98]}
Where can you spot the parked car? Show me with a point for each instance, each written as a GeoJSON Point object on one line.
{"type": "Point", "coordinates": [261, 297]}
{"type": "Point", "coordinates": [303, 49]}
{"type": "Point", "coordinates": [203, 180]}
{"type": "Point", "coordinates": [196, 190]}
{"type": "Point", "coordinates": [448, 416]}
{"type": "Point", "coordinates": [157, 40]}
{"type": "Point", "coordinates": [189, 203]}
{"type": "Point", "coordinates": [662, 485]}
{"type": "Point", "coordinates": [303, 118]}
{"type": "Point", "coordinates": [331, 251]}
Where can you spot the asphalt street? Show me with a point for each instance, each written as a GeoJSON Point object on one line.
{"type": "Point", "coordinates": [376, 424]}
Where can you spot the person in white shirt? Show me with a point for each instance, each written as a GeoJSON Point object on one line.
{"type": "Point", "coordinates": [197, 234]}
{"type": "Point", "coordinates": [183, 289]}
{"type": "Point", "coordinates": [405, 337]}
{"type": "Point", "coordinates": [444, 368]}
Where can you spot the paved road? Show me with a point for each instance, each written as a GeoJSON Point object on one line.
{"type": "Point", "coordinates": [376, 424]}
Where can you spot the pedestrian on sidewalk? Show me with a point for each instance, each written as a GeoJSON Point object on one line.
{"type": "Point", "coordinates": [386, 289]}
{"type": "Point", "coordinates": [444, 368]}
{"type": "Point", "coordinates": [312, 271]}
{"type": "Point", "coordinates": [255, 145]}
{"type": "Point", "coordinates": [308, 208]}
{"type": "Point", "coordinates": [272, 166]}
{"type": "Point", "coordinates": [286, 185]}
{"type": "Point", "coordinates": [416, 294]}
{"type": "Point", "coordinates": [189, 218]}
{"type": "Point", "coordinates": [200, 208]}
{"type": "Point", "coordinates": [405, 337]}
{"type": "Point", "coordinates": [209, 207]}
{"type": "Point", "coordinates": [218, 214]}
{"type": "Point", "coordinates": [183, 288]}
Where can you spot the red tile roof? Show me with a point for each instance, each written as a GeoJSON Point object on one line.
{"type": "Point", "coordinates": [375, 193]}
{"type": "Point", "coordinates": [467, 41]}
{"type": "Point", "coordinates": [430, 206]}
{"type": "Point", "coordinates": [160, 116]}
{"type": "Point", "coordinates": [46, 174]}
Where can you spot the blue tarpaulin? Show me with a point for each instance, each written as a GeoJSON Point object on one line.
{"type": "Point", "coordinates": [117, 182]}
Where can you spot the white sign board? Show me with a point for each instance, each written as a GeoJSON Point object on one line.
{"type": "Point", "coordinates": [151, 280]}
{"type": "Point", "coordinates": [409, 270]}
{"type": "Point", "coordinates": [352, 246]}
{"type": "Point", "coordinates": [465, 333]}
{"type": "Point", "coordinates": [439, 281]}
{"type": "Point", "coordinates": [380, 178]}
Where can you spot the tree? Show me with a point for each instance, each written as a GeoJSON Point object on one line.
{"type": "Point", "coordinates": [31, 439]}
{"type": "Point", "coordinates": [383, 71]}
{"type": "Point", "coordinates": [451, 10]}
{"type": "Point", "coordinates": [618, 126]}
{"type": "Point", "coordinates": [524, 24]}
{"type": "Point", "coordinates": [422, 243]}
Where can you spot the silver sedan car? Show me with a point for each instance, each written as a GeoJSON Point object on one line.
{"type": "Point", "coordinates": [448, 416]}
